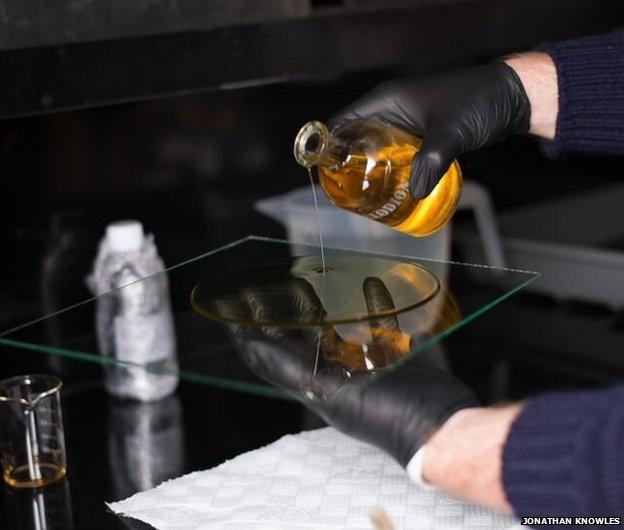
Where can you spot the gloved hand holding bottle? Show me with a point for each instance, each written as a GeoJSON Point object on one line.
{"type": "Point", "coordinates": [371, 160]}
{"type": "Point", "coordinates": [454, 113]}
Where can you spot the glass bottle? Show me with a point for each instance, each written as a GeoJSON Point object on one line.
{"type": "Point", "coordinates": [364, 166]}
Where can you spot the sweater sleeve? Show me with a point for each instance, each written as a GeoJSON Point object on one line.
{"type": "Point", "coordinates": [563, 455]}
{"type": "Point", "coordinates": [590, 73]}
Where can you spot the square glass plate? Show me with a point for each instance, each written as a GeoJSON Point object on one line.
{"type": "Point", "coordinates": [289, 358]}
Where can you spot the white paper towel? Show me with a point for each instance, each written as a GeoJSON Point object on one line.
{"type": "Point", "coordinates": [314, 480]}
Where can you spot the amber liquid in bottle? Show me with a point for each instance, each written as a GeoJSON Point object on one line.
{"type": "Point", "coordinates": [364, 167]}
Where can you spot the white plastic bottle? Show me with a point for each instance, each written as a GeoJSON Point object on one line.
{"type": "Point", "coordinates": [133, 316]}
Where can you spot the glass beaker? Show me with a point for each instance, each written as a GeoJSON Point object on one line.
{"type": "Point", "coordinates": [33, 443]}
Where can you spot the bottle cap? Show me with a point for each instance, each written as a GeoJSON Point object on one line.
{"type": "Point", "coordinates": [125, 236]}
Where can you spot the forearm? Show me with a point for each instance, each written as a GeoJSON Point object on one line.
{"type": "Point", "coordinates": [590, 94]}
{"type": "Point", "coordinates": [464, 457]}
{"type": "Point", "coordinates": [558, 453]}
{"type": "Point", "coordinates": [575, 92]}
{"type": "Point", "coordinates": [538, 74]}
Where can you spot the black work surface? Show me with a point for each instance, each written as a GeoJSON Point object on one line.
{"type": "Point", "coordinates": [115, 449]}
{"type": "Point", "coordinates": [200, 427]}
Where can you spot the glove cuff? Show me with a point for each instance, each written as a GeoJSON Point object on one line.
{"type": "Point", "coordinates": [521, 120]}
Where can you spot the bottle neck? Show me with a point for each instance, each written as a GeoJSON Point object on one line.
{"type": "Point", "coordinates": [316, 146]}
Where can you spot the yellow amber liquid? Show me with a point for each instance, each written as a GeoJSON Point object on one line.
{"type": "Point", "coordinates": [20, 476]}
{"type": "Point", "coordinates": [377, 187]}
{"type": "Point", "coordinates": [387, 344]}
{"type": "Point", "coordinates": [298, 292]}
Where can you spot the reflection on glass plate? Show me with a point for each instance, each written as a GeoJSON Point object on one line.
{"type": "Point", "coordinates": [295, 291]}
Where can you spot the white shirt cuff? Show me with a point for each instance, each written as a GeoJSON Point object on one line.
{"type": "Point", "coordinates": [415, 469]}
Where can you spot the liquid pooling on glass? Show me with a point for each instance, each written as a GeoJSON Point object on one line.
{"type": "Point", "coordinates": [300, 291]}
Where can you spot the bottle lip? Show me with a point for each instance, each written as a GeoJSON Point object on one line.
{"type": "Point", "coordinates": [310, 142]}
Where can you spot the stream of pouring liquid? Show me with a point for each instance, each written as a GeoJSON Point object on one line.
{"type": "Point", "coordinates": [323, 268]}
{"type": "Point", "coordinates": [318, 224]}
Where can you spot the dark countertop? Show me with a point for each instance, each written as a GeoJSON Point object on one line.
{"type": "Point", "coordinates": [197, 428]}
{"type": "Point", "coordinates": [200, 426]}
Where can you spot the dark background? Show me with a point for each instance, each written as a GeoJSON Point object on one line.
{"type": "Point", "coordinates": [182, 117]}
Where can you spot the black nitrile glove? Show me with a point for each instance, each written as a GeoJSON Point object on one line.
{"type": "Point", "coordinates": [454, 113]}
{"type": "Point", "coordinates": [396, 411]}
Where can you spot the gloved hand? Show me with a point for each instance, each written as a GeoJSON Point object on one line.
{"type": "Point", "coordinates": [396, 411]}
{"type": "Point", "coordinates": [453, 112]}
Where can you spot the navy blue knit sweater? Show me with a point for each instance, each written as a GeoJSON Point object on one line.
{"type": "Point", "coordinates": [590, 73]}
{"type": "Point", "coordinates": [564, 455]}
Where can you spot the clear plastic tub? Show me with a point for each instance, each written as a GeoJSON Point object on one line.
{"type": "Point", "coordinates": [343, 229]}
